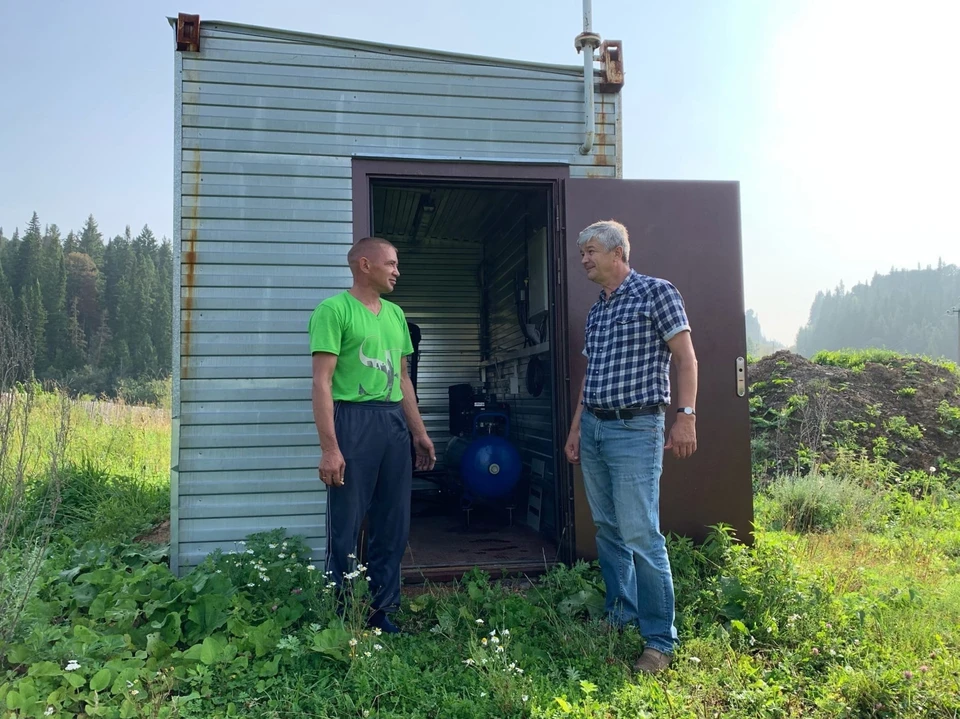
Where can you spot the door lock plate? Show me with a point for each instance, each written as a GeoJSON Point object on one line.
{"type": "Point", "coordinates": [741, 377]}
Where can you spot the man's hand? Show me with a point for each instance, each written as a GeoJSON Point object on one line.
{"type": "Point", "coordinates": [332, 468]}
{"type": "Point", "coordinates": [572, 448]}
{"type": "Point", "coordinates": [426, 455]}
{"type": "Point", "coordinates": [683, 437]}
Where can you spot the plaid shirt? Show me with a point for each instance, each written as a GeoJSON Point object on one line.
{"type": "Point", "coordinates": [628, 360]}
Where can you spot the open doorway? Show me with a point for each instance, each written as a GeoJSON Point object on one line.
{"type": "Point", "coordinates": [475, 263]}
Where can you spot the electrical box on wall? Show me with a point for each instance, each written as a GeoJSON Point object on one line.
{"type": "Point", "coordinates": [537, 267]}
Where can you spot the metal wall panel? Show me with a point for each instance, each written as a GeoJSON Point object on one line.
{"type": "Point", "coordinates": [266, 125]}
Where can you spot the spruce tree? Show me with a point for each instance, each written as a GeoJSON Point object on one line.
{"type": "Point", "coordinates": [91, 241]}
{"type": "Point", "coordinates": [53, 284]}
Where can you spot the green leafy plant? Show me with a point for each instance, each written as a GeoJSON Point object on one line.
{"type": "Point", "coordinates": [948, 417]}
{"type": "Point", "coordinates": [899, 426]}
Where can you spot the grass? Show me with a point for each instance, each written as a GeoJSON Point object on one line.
{"type": "Point", "coordinates": [848, 605]}
{"type": "Point", "coordinates": [857, 359]}
{"type": "Point", "coordinates": [118, 439]}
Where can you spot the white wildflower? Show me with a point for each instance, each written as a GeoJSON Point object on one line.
{"type": "Point", "coordinates": [310, 568]}
{"type": "Point", "coordinates": [353, 642]}
{"type": "Point", "coordinates": [377, 647]}
{"type": "Point", "coordinates": [281, 556]}
{"type": "Point", "coordinates": [272, 546]}
{"type": "Point", "coordinates": [366, 713]}
{"type": "Point", "coordinates": [495, 640]}
{"type": "Point", "coordinates": [524, 697]}
{"type": "Point", "coordinates": [377, 631]}
{"type": "Point", "coordinates": [479, 622]}
{"type": "Point", "coordinates": [219, 571]}
{"type": "Point", "coordinates": [49, 711]}
{"type": "Point", "coordinates": [250, 584]}
{"type": "Point", "coordinates": [351, 556]}
{"type": "Point", "coordinates": [134, 692]}
{"type": "Point", "coordinates": [483, 694]}
{"type": "Point", "coordinates": [249, 551]}
{"type": "Point", "coordinates": [932, 470]}
{"type": "Point", "coordinates": [367, 655]}
{"type": "Point", "coordinates": [242, 543]}
{"type": "Point", "coordinates": [695, 660]}
{"type": "Point", "coordinates": [499, 650]}
{"type": "Point", "coordinates": [493, 633]}
{"type": "Point", "coordinates": [129, 684]}
{"type": "Point", "coordinates": [72, 666]}
{"type": "Point", "coordinates": [469, 662]}
{"type": "Point", "coordinates": [361, 568]}
{"type": "Point", "coordinates": [505, 632]}
{"type": "Point", "coordinates": [315, 627]}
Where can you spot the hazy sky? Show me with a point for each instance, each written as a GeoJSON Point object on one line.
{"type": "Point", "coordinates": [840, 119]}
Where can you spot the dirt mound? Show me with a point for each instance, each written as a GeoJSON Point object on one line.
{"type": "Point", "coordinates": [902, 409]}
{"type": "Point", "coordinates": [158, 535]}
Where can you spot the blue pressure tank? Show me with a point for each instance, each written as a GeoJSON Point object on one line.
{"type": "Point", "coordinates": [489, 465]}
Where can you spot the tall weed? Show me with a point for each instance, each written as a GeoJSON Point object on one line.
{"type": "Point", "coordinates": [820, 502]}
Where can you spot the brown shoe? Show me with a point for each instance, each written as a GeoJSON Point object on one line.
{"type": "Point", "coordinates": [652, 661]}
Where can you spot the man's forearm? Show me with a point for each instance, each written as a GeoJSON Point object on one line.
{"type": "Point", "coordinates": [410, 409]}
{"type": "Point", "coordinates": [687, 381]}
{"type": "Point", "coordinates": [323, 417]}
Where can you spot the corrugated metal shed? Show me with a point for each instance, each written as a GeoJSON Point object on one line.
{"type": "Point", "coordinates": [266, 125]}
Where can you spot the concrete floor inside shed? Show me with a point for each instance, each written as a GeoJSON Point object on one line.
{"type": "Point", "coordinates": [442, 545]}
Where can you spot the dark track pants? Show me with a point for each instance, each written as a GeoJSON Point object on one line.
{"type": "Point", "coordinates": [375, 444]}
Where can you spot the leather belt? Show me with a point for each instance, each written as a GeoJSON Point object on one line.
{"type": "Point", "coordinates": [626, 412]}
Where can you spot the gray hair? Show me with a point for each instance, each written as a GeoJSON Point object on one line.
{"type": "Point", "coordinates": [610, 234]}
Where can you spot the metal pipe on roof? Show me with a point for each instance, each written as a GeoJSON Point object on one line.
{"type": "Point", "coordinates": [587, 42]}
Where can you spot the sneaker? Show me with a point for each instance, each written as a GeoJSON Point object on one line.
{"type": "Point", "coordinates": [652, 661]}
{"type": "Point", "coordinates": [383, 622]}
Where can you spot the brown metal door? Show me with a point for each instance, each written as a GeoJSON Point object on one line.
{"type": "Point", "coordinates": [689, 234]}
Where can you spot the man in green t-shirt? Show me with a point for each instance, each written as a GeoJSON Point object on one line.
{"type": "Point", "coordinates": [365, 410]}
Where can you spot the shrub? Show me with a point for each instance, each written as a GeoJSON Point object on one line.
{"type": "Point", "coordinates": [818, 502]}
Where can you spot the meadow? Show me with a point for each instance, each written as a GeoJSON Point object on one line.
{"type": "Point", "coordinates": [846, 605]}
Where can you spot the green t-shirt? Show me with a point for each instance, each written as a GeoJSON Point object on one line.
{"type": "Point", "coordinates": [368, 346]}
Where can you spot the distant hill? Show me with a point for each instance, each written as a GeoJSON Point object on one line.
{"type": "Point", "coordinates": [904, 311]}
{"type": "Point", "coordinates": [757, 344]}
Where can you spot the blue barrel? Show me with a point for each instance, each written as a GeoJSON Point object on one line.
{"type": "Point", "coordinates": [489, 465]}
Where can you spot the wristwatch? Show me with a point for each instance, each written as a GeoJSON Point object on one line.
{"type": "Point", "coordinates": [685, 410]}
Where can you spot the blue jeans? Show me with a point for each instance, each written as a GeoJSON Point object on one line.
{"type": "Point", "coordinates": [621, 462]}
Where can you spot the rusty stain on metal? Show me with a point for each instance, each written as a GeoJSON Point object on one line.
{"type": "Point", "coordinates": [188, 262]}
{"type": "Point", "coordinates": [188, 33]}
{"type": "Point", "coordinates": [611, 55]}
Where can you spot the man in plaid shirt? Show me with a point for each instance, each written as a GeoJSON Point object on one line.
{"type": "Point", "coordinates": [617, 435]}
